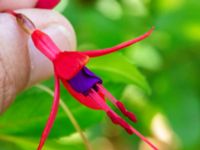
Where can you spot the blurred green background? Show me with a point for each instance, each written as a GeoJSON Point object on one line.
{"type": "Point", "coordinates": [157, 79]}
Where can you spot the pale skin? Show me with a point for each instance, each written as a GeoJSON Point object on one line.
{"type": "Point", "coordinates": [21, 65]}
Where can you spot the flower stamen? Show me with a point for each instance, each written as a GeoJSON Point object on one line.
{"type": "Point", "coordinates": [116, 119]}
{"type": "Point", "coordinates": [117, 103]}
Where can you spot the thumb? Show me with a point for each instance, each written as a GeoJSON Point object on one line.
{"type": "Point", "coordinates": [21, 64]}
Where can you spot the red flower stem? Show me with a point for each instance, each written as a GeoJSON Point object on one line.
{"type": "Point", "coordinates": [95, 53]}
{"type": "Point", "coordinates": [52, 115]}
{"type": "Point", "coordinates": [25, 23]}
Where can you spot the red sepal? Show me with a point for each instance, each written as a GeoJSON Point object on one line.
{"type": "Point", "coordinates": [68, 64]}
{"type": "Point", "coordinates": [47, 4]}
{"type": "Point", "coordinates": [96, 53]}
{"type": "Point", "coordinates": [52, 115]}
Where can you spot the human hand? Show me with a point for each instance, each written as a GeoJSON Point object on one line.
{"type": "Point", "coordinates": [21, 65]}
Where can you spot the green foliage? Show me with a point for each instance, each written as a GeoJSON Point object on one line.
{"type": "Point", "coordinates": [169, 59]}
{"type": "Point", "coordinates": [117, 68]}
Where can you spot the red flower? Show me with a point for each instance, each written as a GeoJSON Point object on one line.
{"type": "Point", "coordinates": [47, 4]}
{"type": "Point", "coordinates": [84, 86]}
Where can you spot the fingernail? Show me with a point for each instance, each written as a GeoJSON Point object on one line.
{"type": "Point", "coordinates": [41, 67]}
{"type": "Point", "coordinates": [48, 4]}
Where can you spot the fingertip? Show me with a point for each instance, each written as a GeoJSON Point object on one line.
{"type": "Point", "coordinates": [17, 4]}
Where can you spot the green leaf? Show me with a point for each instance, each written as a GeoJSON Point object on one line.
{"type": "Point", "coordinates": [8, 142]}
{"type": "Point", "coordinates": [28, 115]}
{"type": "Point", "coordinates": [116, 68]}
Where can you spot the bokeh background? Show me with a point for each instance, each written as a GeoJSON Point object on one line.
{"type": "Point", "coordinates": [157, 79]}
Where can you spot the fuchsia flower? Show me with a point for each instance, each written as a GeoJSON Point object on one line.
{"type": "Point", "coordinates": [47, 4]}
{"type": "Point", "coordinates": [70, 68]}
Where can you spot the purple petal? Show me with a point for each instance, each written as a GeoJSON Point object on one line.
{"type": "Point", "coordinates": [84, 81]}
